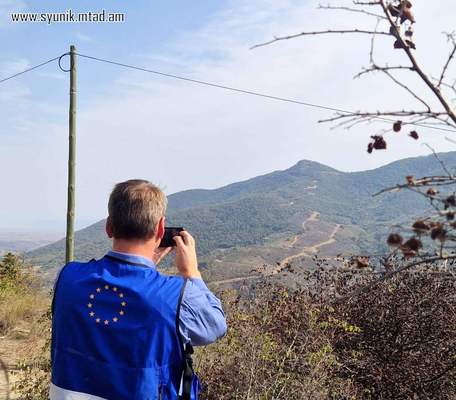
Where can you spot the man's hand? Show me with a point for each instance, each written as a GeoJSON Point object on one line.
{"type": "Point", "coordinates": [160, 254]}
{"type": "Point", "coordinates": [186, 261]}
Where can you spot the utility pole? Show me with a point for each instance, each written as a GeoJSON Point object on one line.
{"type": "Point", "coordinates": [69, 254]}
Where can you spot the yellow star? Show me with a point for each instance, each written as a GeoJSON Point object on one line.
{"type": "Point", "coordinates": [97, 320]}
{"type": "Point", "coordinates": [91, 313]}
{"type": "Point", "coordinates": [121, 312]}
{"type": "Point", "coordinates": [115, 289]}
{"type": "Point", "coordinates": [106, 287]}
{"type": "Point", "coordinates": [89, 305]}
{"type": "Point", "coordinates": [106, 322]}
{"type": "Point", "coordinates": [98, 289]}
{"type": "Point", "coordinates": [123, 304]}
{"type": "Point", "coordinates": [115, 319]}
{"type": "Point", "coordinates": [120, 294]}
{"type": "Point", "coordinates": [92, 296]}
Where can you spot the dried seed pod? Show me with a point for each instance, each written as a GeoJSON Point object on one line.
{"type": "Point", "coordinates": [420, 226]}
{"type": "Point", "coordinates": [397, 126]}
{"type": "Point", "coordinates": [395, 240]}
{"type": "Point", "coordinates": [410, 179]}
{"type": "Point", "coordinates": [398, 44]}
{"type": "Point", "coordinates": [379, 142]}
{"type": "Point", "coordinates": [451, 200]}
{"type": "Point", "coordinates": [408, 253]}
{"type": "Point", "coordinates": [413, 244]}
{"type": "Point", "coordinates": [432, 192]}
{"type": "Point", "coordinates": [410, 44]}
{"type": "Point", "coordinates": [407, 15]}
{"type": "Point", "coordinates": [438, 233]}
{"type": "Point", "coordinates": [414, 135]}
{"type": "Point", "coordinates": [370, 148]}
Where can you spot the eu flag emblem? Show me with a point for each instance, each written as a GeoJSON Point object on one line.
{"type": "Point", "coordinates": [112, 295]}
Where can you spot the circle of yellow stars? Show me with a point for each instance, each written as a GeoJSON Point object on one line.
{"type": "Point", "coordinates": [91, 304]}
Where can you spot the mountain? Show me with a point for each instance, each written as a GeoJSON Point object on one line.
{"type": "Point", "coordinates": [281, 216]}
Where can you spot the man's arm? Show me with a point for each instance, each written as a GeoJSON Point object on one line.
{"type": "Point", "coordinates": [202, 320]}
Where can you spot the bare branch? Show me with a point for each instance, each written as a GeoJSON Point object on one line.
{"type": "Point", "coordinates": [452, 87]}
{"type": "Point", "coordinates": [375, 68]}
{"type": "Point", "coordinates": [444, 167]}
{"type": "Point", "coordinates": [366, 3]}
{"type": "Point", "coordinates": [371, 53]}
{"type": "Point", "coordinates": [450, 37]}
{"type": "Point", "coordinates": [377, 114]}
{"type": "Point", "coordinates": [355, 10]}
{"type": "Point", "coordinates": [364, 289]}
{"type": "Point", "coordinates": [426, 181]}
{"type": "Point", "coordinates": [402, 85]}
{"type": "Point", "coordinates": [328, 31]}
{"type": "Point", "coordinates": [395, 31]}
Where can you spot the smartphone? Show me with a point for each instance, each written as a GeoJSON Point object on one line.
{"type": "Point", "coordinates": [170, 232]}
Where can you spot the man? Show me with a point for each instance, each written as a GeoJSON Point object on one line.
{"type": "Point", "coordinates": [120, 329]}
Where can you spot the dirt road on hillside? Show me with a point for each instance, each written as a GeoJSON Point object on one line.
{"type": "Point", "coordinates": [306, 251]}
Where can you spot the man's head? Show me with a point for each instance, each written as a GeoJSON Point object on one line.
{"type": "Point", "coordinates": [136, 213]}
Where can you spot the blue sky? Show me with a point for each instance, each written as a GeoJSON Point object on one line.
{"type": "Point", "coordinates": [179, 135]}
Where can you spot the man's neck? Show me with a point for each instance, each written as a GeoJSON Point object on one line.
{"type": "Point", "coordinates": [143, 249]}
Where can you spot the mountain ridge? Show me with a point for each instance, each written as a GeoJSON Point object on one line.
{"type": "Point", "coordinates": [267, 209]}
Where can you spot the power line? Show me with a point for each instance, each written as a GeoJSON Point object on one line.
{"type": "Point", "coordinates": [216, 85]}
{"type": "Point", "coordinates": [250, 92]}
{"type": "Point", "coordinates": [29, 69]}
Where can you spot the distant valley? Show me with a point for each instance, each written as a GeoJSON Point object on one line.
{"type": "Point", "coordinates": [19, 242]}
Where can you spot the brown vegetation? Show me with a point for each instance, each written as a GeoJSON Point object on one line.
{"type": "Point", "coordinates": [395, 342]}
{"type": "Point", "coordinates": [23, 327]}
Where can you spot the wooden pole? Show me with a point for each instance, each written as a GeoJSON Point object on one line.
{"type": "Point", "coordinates": [69, 254]}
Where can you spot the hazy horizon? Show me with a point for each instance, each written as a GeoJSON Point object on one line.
{"type": "Point", "coordinates": [51, 230]}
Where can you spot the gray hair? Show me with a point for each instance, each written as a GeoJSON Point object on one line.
{"type": "Point", "coordinates": [135, 207]}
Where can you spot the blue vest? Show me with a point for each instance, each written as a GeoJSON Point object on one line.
{"type": "Point", "coordinates": [115, 331]}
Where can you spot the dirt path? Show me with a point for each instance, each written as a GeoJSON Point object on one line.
{"type": "Point", "coordinates": [313, 217]}
{"type": "Point", "coordinates": [306, 251]}
{"type": "Point", "coordinates": [4, 381]}
{"type": "Point", "coordinates": [8, 354]}
{"type": "Point", "coordinates": [231, 280]}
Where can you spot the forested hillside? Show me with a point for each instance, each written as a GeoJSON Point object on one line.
{"type": "Point", "coordinates": [272, 207]}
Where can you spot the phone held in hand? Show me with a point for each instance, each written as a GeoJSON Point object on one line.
{"type": "Point", "coordinates": [170, 232]}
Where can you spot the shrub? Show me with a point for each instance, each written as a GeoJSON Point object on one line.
{"type": "Point", "coordinates": [21, 296]}
{"type": "Point", "coordinates": [395, 342]}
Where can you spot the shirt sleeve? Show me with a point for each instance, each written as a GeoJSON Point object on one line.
{"type": "Point", "coordinates": [202, 320]}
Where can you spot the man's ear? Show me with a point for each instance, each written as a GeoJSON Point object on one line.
{"type": "Point", "coordinates": [108, 228]}
{"type": "Point", "coordinates": [160, 229]}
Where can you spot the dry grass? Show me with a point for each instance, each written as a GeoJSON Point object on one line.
{"type": "Point", "coordinates": [19, 309]}
{"type": "Point", "coordinates": [24, 330]}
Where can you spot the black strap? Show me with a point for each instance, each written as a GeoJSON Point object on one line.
{"type": "Point", "coordinates": [187, 351]}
